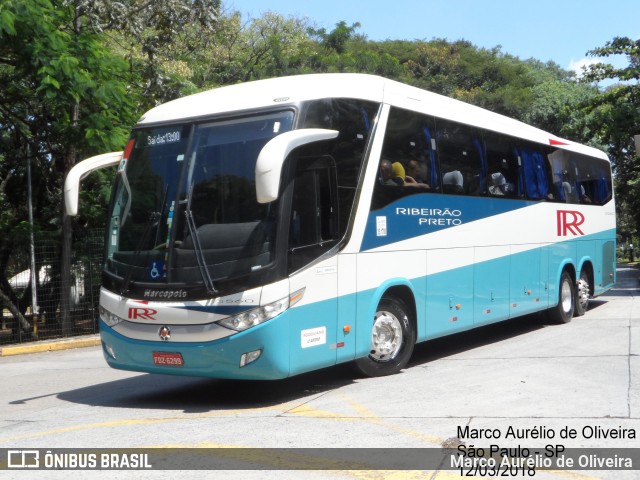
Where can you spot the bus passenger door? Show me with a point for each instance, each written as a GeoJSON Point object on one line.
{"type": "Point", "coordinates": [347, 308]}
{"type": "Point", "coordinates": [313, 321]}
{"type": "Point", "coordinates": [313, 232]}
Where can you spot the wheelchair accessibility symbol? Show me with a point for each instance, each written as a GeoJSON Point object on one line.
{"type": "Point", "coordinates": [157, 270]}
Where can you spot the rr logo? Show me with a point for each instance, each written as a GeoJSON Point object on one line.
{"type": "Point", "coordinates": [142, 313]}
{"type": "Point", "coordinates": [569, 221]}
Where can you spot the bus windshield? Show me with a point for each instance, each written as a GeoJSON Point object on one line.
{"type": "Point", "coordinates": [184, 209]}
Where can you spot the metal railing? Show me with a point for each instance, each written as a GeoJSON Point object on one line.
{"type": "Point", "coordinates": [44, 320]}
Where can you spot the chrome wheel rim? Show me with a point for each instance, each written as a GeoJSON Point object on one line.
{"type": "Point", "coordinates": [566, 296]}
{"type": "Point", "coordinates": [583, 293]}
{"type": "Point", "coordinates": [386, 337]}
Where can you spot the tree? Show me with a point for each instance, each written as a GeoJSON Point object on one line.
{"type": "Point", "coordinates": [487, 78]}
{"type": "Point", "coordinates": [558, 107]}
{"type": "Point", "coordinates": [66, 96]}
{"type": "Point", "coordinates": [269, 46]}
{"type": "Point", "coordinates": [616, 111]}
{"type": "Point", "coordinates": [76, 75]}
{"type": "Point", "coordinates": [337, 39]}
{"type": "Point", "coordinates": [155, 37]}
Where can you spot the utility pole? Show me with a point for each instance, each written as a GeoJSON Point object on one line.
{"type": "Point", "coordinates": [34, 272]}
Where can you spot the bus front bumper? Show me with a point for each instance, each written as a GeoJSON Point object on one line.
{"type": "Point", "coordinates": [217, 359]}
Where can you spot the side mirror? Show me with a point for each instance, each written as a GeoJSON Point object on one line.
{"type": "Point", "coordinates": [81, 170]}
{"type": "Point", "coordinates": [274, 153]}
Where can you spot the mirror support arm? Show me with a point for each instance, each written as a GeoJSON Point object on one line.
{"type": "Point", "coordinates": [274, 153]}
{"type": "Point", "coordinates": [81, 170]}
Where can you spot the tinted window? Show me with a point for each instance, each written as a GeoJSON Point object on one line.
{"type": "Point", "coordinates": [409, 162]}
{"type": "Point", "coordinates": [354, 120]}
{"type": "Point", "coordinates": [594, 181]}
{"type": "Point", "coordinates": [453, 158]}
{"type": "Point", "coordinates": [535, 168]}
{"type": "Point", "coordinates": [581, 179]}
{"type": "Point", "coordinates": [461, 152]}
{"type": "Point", "coordinates": [504, 168]}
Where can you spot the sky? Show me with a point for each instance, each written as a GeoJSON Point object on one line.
{"type": "Point", "coordinates": [562, 31]}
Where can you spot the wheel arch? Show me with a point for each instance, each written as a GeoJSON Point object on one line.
{"type": "Point", "coordinates": [405, 293]}
{"type": "Point", "coordinates": [389, 329]}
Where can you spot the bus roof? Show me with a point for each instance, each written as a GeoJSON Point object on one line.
{"type": "Point", "coordinates": [294, 89]}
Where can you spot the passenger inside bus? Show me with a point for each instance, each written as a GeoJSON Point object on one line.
{"type": "Point", "coordinates": [499, 186]}
{"type": "Point", "coordinates": [389, 176]}
{"type": "Point", "coordinates": [397, 173]}
{"type": "Point", "coordinates": [416, 175]}
{"type": "Point", "coordinates": [453, 182]}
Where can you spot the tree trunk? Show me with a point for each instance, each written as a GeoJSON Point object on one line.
{"type": "Point", "coordinates": [23, 323]}
{"type": "Point", "coordinates": [67, 240]}
{"type": "Point", "coordinates": [65, 275]}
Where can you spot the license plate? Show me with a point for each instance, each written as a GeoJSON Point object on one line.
{"type": "Point", "coordinates": [168, 359]}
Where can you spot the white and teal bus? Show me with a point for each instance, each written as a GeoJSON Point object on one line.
{"type": "Point", "coordinates": [266, 229]}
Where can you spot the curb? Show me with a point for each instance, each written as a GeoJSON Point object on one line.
{"type": "Point", "coordinates": [50, 346]}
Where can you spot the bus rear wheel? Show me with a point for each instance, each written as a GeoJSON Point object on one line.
{"type": "Point", "coordinates": [563, 312]}
{"type": "Point", "coordinates": [582, 293]}
{"type": "Point", "coordinates": [392, 339]}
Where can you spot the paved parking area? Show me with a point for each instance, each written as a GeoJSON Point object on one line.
{"type": "Point", "coordinates": [540, 382]}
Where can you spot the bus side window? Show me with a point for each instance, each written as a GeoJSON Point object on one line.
{"type": "Point", "coordinates": [594, 181]}
{"type": "Point", "coordinates": [504, 167]}
{"type": "Point", "coordinates": [409, 147]}
{"type": "Point", "coordinates": [564, 171]}
{"type": "Point", "coordinates": [460, 152]}
{"type": "Point", "coordinates": [536, 172]}
{"type": "Point", "coordinates": [354, 119]}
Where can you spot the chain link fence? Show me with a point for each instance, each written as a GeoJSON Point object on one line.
{"type": "Point", "coordinates": [44, 320]}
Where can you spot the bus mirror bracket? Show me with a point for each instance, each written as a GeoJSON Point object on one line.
{"type": "Point", "coordinates": [81, 170]}
{"type": "Point", "coordinates": [274, 153]}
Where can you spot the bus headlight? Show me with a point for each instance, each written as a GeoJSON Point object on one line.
{"type": "Point", "coordinates": [109, 318]}
{"type": "Point", "coordinates": [256, 316]}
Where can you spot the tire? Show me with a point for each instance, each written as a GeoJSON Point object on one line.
{"type": "Point", "coordinates": [392, 340]}
{"type": "Point", "coordinates": [563, 312]}
{"type": "Point", "coordinates": [582, 293]}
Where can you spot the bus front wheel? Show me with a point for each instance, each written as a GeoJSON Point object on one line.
{"type": "Point", "coordinates": [392, 339]}
{"type": "Point", "coordinates": [563, 312]}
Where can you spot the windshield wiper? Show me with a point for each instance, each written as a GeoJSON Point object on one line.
{"type": "Point", "coordinates": [197, 246]}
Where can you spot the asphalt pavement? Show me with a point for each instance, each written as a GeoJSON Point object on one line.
{"type": "Point", "coordinates": [518, 384]}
